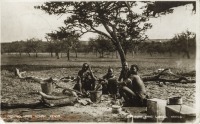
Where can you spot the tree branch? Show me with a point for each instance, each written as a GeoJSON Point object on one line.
{"type": "Point", "coordinates": [100, 32]}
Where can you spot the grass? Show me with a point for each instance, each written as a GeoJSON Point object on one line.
{"type": "Point", "coordinates": [146, 63]}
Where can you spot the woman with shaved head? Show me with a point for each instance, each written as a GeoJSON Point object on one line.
{"type": "Point", "coordinates": [133, 89]}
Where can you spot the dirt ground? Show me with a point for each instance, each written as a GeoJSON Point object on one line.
{"type": "Point", "coordinates": [95, 112]}
{"type": "Point", "coordinates": [18, 91]}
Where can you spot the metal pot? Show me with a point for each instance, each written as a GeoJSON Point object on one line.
{"type": "Point", "coordinates": [175, 101]}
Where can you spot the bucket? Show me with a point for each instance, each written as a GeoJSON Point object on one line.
{"type": "Point", "coordinates": [46, 88]}
{"type": "Point", "coordinates": [95, 96]}
{"type": "Point", "coordinates": [175, 101]}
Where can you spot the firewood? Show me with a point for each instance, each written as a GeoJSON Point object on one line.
{"type": "Point", "coordinates": [60, 102]}
{"type": "Point", "coordinates": [50, 97]}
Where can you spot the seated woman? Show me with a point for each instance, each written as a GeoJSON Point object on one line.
{"type": "Point", "coordinates": [133, 89]}
{"type": "Point", "coordinates": [109, 85]}
{"type": "Point", "coordinates": [124, 72]}
{"type": "Point", "coordinates": [85, 80]}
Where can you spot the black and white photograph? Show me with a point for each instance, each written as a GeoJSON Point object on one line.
{"type": "Point", "coordinates": [100, 61]}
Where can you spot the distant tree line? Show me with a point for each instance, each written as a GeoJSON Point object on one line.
{"type": "Point", "coordinates": [183, 44]}
{"type": "Point", "coordinates": [54, 47]}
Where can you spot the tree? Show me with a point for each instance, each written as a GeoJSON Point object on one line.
{"type": "Point", "coordinates": [84, 47]}
{"type": "Point", "coordinates": [6, 48]}
{"type": "Point", "coordinates": [54, 44]}
{"type": "Point", "coordinates": [49, 46]}
{"type": "Point", "coordinates": [75, 46]}
{"type": "Point", "coordinates": [117, 18]}
{"type": "Point", "coordinates": [101, 45]}
{"type": "Point", "coordinates": [64, 40]}
{"type": "Point", "coordinates": [185, 42]}
{"type": "Point", "coordinates": [28, 49]}
{"type": "Point", "coordinates": [33, 45]}
{"type": "Point", "coordinates": [18, 46]}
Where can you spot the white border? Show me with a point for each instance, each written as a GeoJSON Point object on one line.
{"type": "Point", "coordinates": [197, 42]}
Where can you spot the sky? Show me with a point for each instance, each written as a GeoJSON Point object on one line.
{"type": "Point", "coordinates": [20, 21]}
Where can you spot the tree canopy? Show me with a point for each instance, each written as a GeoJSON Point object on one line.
{"type": "Point", "coordinates": [121, 23]}
{"type": "Point", "coordinates": [101, 45]}
{"type": "Point", "coordinates": [164, 7]}
{"type": "Point", "coordinates": [117, 18]}
{"type": "Point", "coordinates": [63, 40]}
{"type": "Point", "coordinates": [185, 41]}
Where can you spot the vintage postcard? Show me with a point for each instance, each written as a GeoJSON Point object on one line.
{"type": "Point", "coordinates": [100, 61]}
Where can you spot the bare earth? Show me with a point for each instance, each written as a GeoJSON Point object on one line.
{"type": "Point", "coordinates": [18, 91]}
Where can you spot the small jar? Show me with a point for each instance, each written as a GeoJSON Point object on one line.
{"type": "Point", "coordinates": [116, 109]}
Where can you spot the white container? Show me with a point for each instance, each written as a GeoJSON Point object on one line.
{"type": "Point", "coordinates": [116, 109]}
{"type": "Point", "coordinates": [156, 109]}
{"type": "Point", "coordinates": [129, 118]}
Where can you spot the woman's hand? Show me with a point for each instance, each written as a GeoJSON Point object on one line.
{"type": "Point", "coordinates": [89, 68]}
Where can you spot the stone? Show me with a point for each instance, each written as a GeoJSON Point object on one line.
{"type": "Point", "coordinates": [180, 113]}
{"type": "Point", "coordinates": [156, 109]}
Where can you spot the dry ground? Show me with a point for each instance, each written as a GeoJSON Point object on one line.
{"type": "Point", "coordinates": [14, 90]}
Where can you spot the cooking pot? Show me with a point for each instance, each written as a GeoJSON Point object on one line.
{"type": "Point", "coordinates": [175, 101]}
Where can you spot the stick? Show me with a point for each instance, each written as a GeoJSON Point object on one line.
{"type": "Point", "coordinates": [68, 89]}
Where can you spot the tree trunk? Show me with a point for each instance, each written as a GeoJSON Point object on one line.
{"type": "Point", "coordinates": [132, 52]}
{"type": "Point", "coordinates": [51, 54]}
{"type": "Point", "coordinates": [29, 55]}
{"type": "Point", "coordinates": [93, 51]}
{"type": "Point", "coordinates": [112, 54]}
{"type": "Point", "coordinates": [177, 78]}
{"type": "Point", "coordinates": [20, 54]}
{"type": "Point", "coordinates": [85, 53]}
{"type": "Point", "coordinates": [57, 55]}
{"type": "Point", "coordinates": [170, 53]}
{"type": "Point", "coordinates": [36, 55]}
{"type": "Point", "coordinates": [121, 52]}
{"type": "Point", "coordinates": [125, 52]}
{"type": "Point", "coordinates": [76, 53]}
{"type": "Point", "coordinates": [99, 53]}
{"type": "Point", "coordinates": [188, 54]}
{"type": "Point", "coordinates": [96, 53]}
{"type": "Point", "coordinates": [116, 55]}
{"type": "Point", "coordinates": [150, 54]}
{"type": "Point", "coordinates": [68, 54]}
{"type": "Point", "coordinates": [135, 50]}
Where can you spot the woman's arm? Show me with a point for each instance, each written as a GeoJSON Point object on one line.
{"type": "Point", "coordinates": [120, 76]}
{"type": "Point", "coordinates": [92, 74]}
